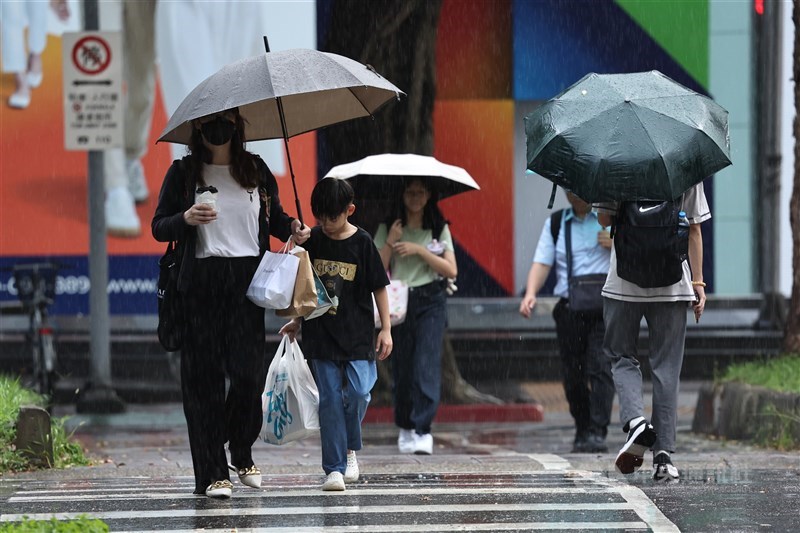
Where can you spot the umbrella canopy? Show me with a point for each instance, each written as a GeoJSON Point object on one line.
{"type": "Point", "coordinates": [615, 137]}
{"type": "Point", "coordinates": [315, 88]}
{"type": "Point", "coordinates": [283, 94]}
{"type": "Point", "coordinates": [376, 176]}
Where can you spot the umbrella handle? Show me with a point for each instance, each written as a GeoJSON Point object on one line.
{"type": "Point", "coordinates": [549, 205]}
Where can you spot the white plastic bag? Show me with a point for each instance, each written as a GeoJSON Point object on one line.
{"type": "Point", "coordinates": [273, 283]}
{"type": "Point", "coordinates": [397, 291]}
{"type": "Point", "coordinates": [290, 401]}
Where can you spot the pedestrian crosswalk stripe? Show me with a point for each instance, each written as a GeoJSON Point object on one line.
{"type": "Point", "coordinates": [291, 492]}
{"type": "Point", "coordinates": [430, 528]}
{"type": "Point", "coordinates": [550, 461]}
{"type": "Point", "coordinates": [343, 509]}
{"type": "Point", "coordinates": [500, 497]}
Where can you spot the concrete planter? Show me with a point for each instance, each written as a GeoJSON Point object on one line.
{"type": "Point", "coordinates": [34, 438]}
{"type": "Point", "coordinates": [739, 411]}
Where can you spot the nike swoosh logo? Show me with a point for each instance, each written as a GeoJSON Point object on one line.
{"type": "Point", "coordinates": [646, 209]}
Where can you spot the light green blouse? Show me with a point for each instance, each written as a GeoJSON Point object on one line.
{"type": "Point", "coordinates": [413, 269]}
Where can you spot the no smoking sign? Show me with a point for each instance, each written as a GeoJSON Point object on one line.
{"type": "Point", "coordinates": [93, 103]}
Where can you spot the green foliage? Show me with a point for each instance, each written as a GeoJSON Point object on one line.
{"type": "Point", "coordinates": [778, 429]}
{"type": "Point", "coordinates": [82, 524]}
{"type": "Point", "coordinates": [781, 374]}
{"type": "Point", "coordinates": [66, 452]}
{"type": "Point", "coordinates": [778, 425]}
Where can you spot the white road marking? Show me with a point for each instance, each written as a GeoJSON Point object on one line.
{"type": "Point", "coordinates": [550, 461]}
{"type": "Point", "coordinates": [429, 528]}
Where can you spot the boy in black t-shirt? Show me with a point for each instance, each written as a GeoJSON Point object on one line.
{"type": "Point", "coordinates": [341, 344]}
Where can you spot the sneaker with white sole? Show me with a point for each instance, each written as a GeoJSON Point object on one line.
{"type": "Point", "coordinates": [663, 469]}
{"type": "Point", "coordinates": [405, 441]}
{"type": "Point", "coordinates": [631, 456]}
{"type": "Point", "coordinates": [137, 183]}
{"type": "Point", "coordinates": [220, 489]}
{"type": "Point", "coordinates": [121, 217]}
{"type": "Point", "coordinates": [351, 472]}
{"type": "Point", "coordinates": [248, 476]}
{"type": "Point", "coordinates": [423, 444]}
{"type": "Point", "coordinates": [334, 482]}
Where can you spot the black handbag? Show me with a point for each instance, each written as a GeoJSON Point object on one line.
{"type": "Point", "coordinates": [170, 304]}
{"type": "Point", "coordinates": [584, 291]}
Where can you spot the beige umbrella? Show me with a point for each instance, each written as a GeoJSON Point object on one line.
{"type": "Point", "coordinates": [283, 94]}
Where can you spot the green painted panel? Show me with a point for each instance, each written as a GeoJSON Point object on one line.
{"type": "Point", "coordinates": [679, 26]}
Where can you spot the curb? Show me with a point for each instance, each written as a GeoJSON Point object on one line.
{"type": "Point", "coordinates": [515, 412]}
{"type": "Point", "coordinates": [738, 411]}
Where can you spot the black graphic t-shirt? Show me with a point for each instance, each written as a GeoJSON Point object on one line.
{"type": "Point", "coordinates": [351, 271]}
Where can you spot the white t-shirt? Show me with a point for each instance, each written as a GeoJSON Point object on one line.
{"type": "Point", "coordinates": [694, 203]}
{"type": "Point", "coordinates": [235, 231]}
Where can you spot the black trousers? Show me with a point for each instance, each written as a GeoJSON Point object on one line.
{"type": "Point", "coordinates": [224, 336]}
{"type": "Point", "coordinates": [588, 383]}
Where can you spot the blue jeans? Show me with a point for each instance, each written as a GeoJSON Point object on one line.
{"type": "Point", "coordinates": [417, 358]}
{"type": "Point", "coordinates": [344, 394]}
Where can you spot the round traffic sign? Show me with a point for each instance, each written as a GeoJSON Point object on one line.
{"type": "Point", "coordinates": [91, 55]}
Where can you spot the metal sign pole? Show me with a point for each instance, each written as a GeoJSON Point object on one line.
{"type": "Point", "coordinates": [98, 396]}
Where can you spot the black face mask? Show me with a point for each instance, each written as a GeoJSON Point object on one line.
{"type": "Point", "coordinates": [218, 131]}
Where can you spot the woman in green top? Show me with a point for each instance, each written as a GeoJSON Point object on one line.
{"type": "Point", "coordinates": [417, 248]}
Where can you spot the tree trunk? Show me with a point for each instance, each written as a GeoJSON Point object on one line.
{"type": "Point", "coordinates": [398, 38]}
{"type": "Point", "coordinates": [791, 339]}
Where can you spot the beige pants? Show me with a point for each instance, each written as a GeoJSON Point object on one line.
{"type": "Point", "coordinates": [138, 28]}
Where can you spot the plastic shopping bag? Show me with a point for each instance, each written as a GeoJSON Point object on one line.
{"type": "Point", "coordinates": [273, 283]}
{"type": "Point", "coordinates": [398, 303]}
{"type": "Point", "coordinates": [304, 297]}
{"type": "Point", "coordinates": [290, 402]}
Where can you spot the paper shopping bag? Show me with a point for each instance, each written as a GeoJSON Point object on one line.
{"type": "Point", "coordinates": [290, 402]}
{"type": "Point", "coordinates": [273, 283]}
{"type": "Point", "coordinates": [397, 291]}
{"type": "Point", "coordinates": [304, 298]}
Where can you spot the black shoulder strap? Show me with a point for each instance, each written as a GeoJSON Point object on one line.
{"type": "Point", "coordinates": [555, 224]}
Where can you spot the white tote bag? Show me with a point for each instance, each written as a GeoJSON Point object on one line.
{"type": "Point", "coordinates": [397, 291]}
{"type": "Point", "coordinates": [290, 401]}
{"type": "Point", "coordinates": [273, 283]}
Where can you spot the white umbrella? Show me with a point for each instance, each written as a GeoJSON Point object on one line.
{"type": "Point", "coordinates": [375, 175]}
{"type": "Point", "coordinates": [283, 94]}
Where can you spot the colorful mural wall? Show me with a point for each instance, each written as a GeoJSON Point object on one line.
{"type": "Point", "coordinates": [496, 61]}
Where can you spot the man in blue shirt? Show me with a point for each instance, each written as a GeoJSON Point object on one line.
{"type": "Point", "coordinates": [588, 384]}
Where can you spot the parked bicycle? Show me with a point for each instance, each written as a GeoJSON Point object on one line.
{"type": "Point", "coordinates": [36, 290]}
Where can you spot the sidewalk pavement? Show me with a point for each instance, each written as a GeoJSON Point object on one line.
{"type": "Point", "coordinates": [151, 440]}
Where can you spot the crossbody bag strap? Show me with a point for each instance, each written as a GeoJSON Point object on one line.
{"type": "Point", "coordinates": [568, 246]}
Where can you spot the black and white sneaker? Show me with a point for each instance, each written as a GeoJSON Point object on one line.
{"type": "Point", "coordinates": [663, 469]}
{"type": "Point", "coordinates": [631, 456]}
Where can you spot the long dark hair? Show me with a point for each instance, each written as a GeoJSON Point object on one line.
{"type": "Point", "coordinates": [243, 165]}
{"type": "Point", "coordinates": [432, 217]}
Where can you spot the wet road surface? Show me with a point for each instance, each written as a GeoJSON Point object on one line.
{"type": "Point", "coordinates": [482, 477]}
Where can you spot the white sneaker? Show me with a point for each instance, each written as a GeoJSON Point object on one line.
{"type": "Point", "coordinates": [405, 441]}
{"type": "Point", "coordinates": [19, 100]}
{"type": "Point", "coordinates": [137, 183]}
{"type": "Point", "coordinates": [351, 473]}
{"type": "Point", "coordinates": [334, 481]}
{"type": "Point", "coordinates": [220, 489]}
{"type": "Point", "coordinates": [423, 444]}
{"type": "Point", "coordinates": [121, 217]}
{"type": "Point", "coordinates": [34, 79]}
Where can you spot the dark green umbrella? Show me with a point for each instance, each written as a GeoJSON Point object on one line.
{"type": "Point", "coordinates": [616, 137]}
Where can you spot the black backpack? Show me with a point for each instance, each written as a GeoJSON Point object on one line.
{"type": "Point", "coordinates": [650, 244]}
